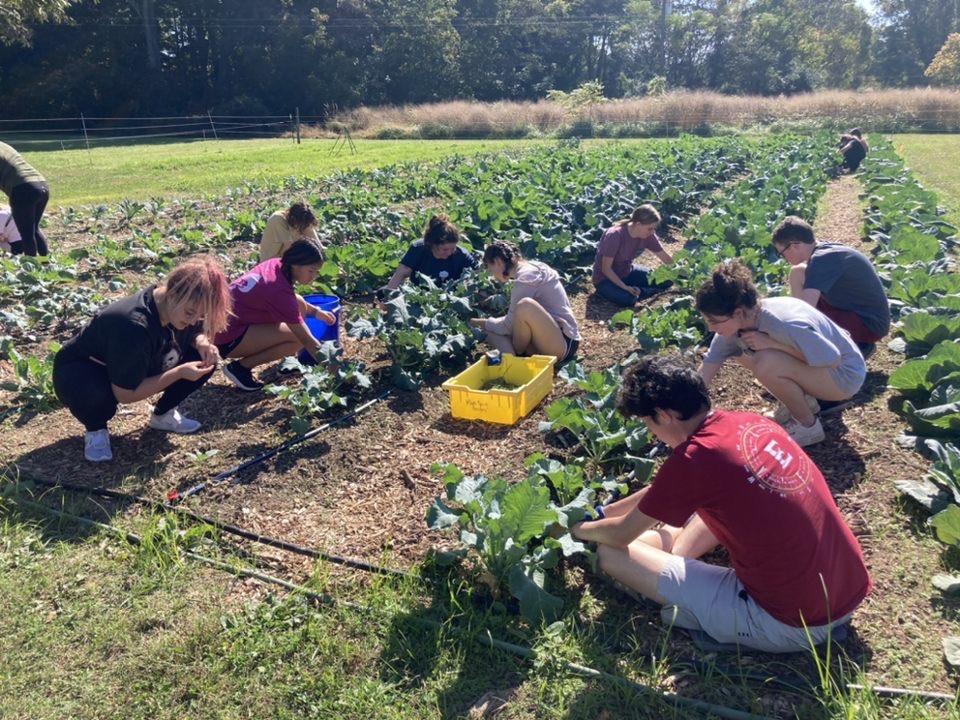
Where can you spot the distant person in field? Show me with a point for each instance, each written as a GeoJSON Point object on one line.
{"type": "Point", "coordinates": [837, 280]}
{"type": "Point", "coordinates": [268, 315]}
{"type": "Point", "coordinates": [540, 320]}
{"type": "Point", "coordinates": [158, 340]}
{"type": "Point", "coordinates": [795, 351]}
{"type": "Point", "coordinates": [9, 235]}
{"type": "Point", "coordinates": [439, 255]}
{"type": "Point", "coordinates": [285, 227]}
{"type": "Point", "coordinates": [853, 148]}
{"type": "Point", "coordinates": [28, 192]}
{"type": "Point", "coordinates": [738, 480]}
{"type": "Point", "coordinates": [615, 276]}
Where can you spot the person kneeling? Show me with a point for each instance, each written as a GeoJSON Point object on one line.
{"type": "Point", "coordinates": [736, 479]}
{"type": "Point", "coordinates": [156, 340]}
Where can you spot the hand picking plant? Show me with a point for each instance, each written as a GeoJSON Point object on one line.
{"type": "Point", "coordinates": [504, 527]}
{"type": "Point", "coordinates": [325, 386]}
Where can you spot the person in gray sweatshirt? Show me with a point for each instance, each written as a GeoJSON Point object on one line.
{"type": "Point", "coordinates": [540, 320]}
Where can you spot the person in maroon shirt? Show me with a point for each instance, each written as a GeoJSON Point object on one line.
{"type": "Point", "coordinates": [739, 480]}
{"type": "Point", "coordinates": [614, 275]}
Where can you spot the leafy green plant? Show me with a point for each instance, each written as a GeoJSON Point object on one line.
{"type": "Point", "coordinates": [676, 324]}
{"type": "Point", "coordinates": [505, 528]}
{"type": "Point", "coordinates": [606, 439]}
{"type": "Point", "coordinates": [324, 386]}
{"type": "Point", "coordinates": [32, 382]}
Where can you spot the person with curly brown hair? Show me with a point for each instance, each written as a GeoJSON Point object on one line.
{"type": "Point", "coordinates": [439, 255]}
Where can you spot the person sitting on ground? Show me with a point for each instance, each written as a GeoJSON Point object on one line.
{"type": "Point", "coordinates": [438, 255]}
{"type": "Point", "coordinates": [9, 235]}
{"type": "Point", "coordinates": [267, 322]}
{"type": "Point", "coordinates": [614, 275]}
{"type": "Point", "coordinates": [853, 148]}
{"type": "Point", "coordinates": [736, 479]}
{"type": "Point", "coordinates": [156, 340]}
{"type": "Point", "coordinates": [540, 320]}
{"type": "Point", "coordinates": [285, 227]}
{"type": "Point", "coordinates": [28, 192]}
{"type": "Point", "coordinates": [795, 351]}
{"type": "Point", "coordinates": [837, 280]}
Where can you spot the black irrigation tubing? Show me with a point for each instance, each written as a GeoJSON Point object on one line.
{"type": "Point", "coordinates": [227, 528]}
{"type": "Point", "coordinates": [175, 496]}
{"type": "Point", "coordinates": [488, 640]}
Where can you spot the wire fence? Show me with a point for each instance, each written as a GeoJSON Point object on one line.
{"type": "Point", "coordinates": [78, 132]}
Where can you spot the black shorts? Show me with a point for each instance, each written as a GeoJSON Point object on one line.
{"type": "Point", "coordinates": [228, 347]}
{"type": "Point", "coordinates": [572, 346]}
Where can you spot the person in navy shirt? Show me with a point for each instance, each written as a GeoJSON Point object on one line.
{"type": "Point", "coordinates": [438, 256]}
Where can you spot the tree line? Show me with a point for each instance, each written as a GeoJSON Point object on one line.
{"type": "Point", "coordinates": [253, 57]}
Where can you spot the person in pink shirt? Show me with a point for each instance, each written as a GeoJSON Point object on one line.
{"type": "Point", "coordinates": [614, 275]}
{"type": "Point", "coordinates": [267, 322]}
{"type": "Point", "coordinates": [736, 479]}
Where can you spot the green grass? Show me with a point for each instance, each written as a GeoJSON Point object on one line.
{"type": "Point", "coordinates": [194, 169]}
{"type": "Point", "coordinates": [933, 158]}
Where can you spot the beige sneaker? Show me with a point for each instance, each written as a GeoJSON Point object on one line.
{"type": "Point", "coordinates": [804, 435]}
{"type": "Point", "coordinates": [782, 416]}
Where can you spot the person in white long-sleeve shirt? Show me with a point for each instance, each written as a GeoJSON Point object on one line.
{"type": "Point", "coordinates": [540, 320]}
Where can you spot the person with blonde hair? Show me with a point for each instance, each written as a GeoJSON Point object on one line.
{"type": "Point", "coordinates": [158, 340]}
{"type": "Point", "coordinates": [614, 275]}
{"type": "Point", "coordinates": [285, 227]}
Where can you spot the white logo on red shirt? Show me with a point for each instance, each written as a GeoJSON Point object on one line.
{"type": "Point", "coordinates": [247, 282]}
{"type": "Point", "coordinates": [773, 459]}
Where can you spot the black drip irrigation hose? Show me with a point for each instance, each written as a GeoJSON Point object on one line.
{"type": "Point", "coordinates": [487, 640]}
{"type": "Point", "coordinates": [175, 496]}
{"type": "Point", "coordinates": [227, 528]}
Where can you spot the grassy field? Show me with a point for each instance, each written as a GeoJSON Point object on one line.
{"type": "Point", "coordinates": [193, 169]}
{"type": "Point", "coordinates": [934, 159]}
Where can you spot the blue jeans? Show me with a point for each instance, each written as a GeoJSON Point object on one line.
{"type": "Point", "coordinates": [639, 277]}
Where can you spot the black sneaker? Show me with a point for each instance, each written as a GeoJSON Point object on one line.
{"type": "Point", "coordinates": [241, 377]}
{"type": "Point", "coordinates": [867, 349]}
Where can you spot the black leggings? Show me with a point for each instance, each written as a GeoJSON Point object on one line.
{"type": "Point", "coordinates": [84, 387]}
{"type": "Point", "coordinates": [27, 203]}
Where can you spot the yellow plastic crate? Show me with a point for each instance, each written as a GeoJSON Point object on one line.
{"type": "Point", "coordinates": [532, 376]}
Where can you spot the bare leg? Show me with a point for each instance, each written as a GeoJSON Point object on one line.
{"type": "Point", "coordinates": [535, 330]}
{"type": "Point", "coordinates": [798, 275]}
{"type": "Point", "coordinates": [264, 343]}
{"type": "Point", "coordinates": [503, 343]}
{"type": "Point", "coordinates": [789, 379]}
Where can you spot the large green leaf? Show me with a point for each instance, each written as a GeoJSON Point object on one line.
{"type": "Point", "coordinates": [536, 604]}
{"type": "Point", "coordinates": [526, 511]}
{"type": "Point", "coordinates": [923, 373]}
{"type": "Point", "coordinates": [951, 650]}
{"type": "Point", "coordinates": [947, 524]}
{"type": "Point", "coordinates": [439, 516]}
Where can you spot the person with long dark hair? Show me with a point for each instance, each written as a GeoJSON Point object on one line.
{"type": "Point", "coordinates": [540, 320]}
{"type": "Point", "coordinates": [28, 192]}
{"type": "Point", "coordinates": [157, 340]}
{"type": "Point", "coordinates": [285, 227]}
{"type": "Point", "coordinates": [268, 314]}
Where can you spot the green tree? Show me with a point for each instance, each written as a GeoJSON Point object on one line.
{"type": "Point", "coordinates": [908, 36]}
{"type": "Point", "coordinates": [945, 68]}
{"type": "Point", "coordinates": [17, 18]}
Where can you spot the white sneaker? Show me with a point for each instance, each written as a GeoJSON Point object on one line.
{"type": "Point", "coordinates": [173, 421]}
{"type": "Point", "coordinates": [782, 416]}
{"type": "Point", "coordinates": [804, 435]}
{"type": "Point", "coordinates": [96, 446]}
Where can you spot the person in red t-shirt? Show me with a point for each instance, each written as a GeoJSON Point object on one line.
{"type": "Point", "coordinates": [267, 322]}
{"type": "Point", "coordinates": [736, 479]}
{"type": "Point", "coordinates": [614, 275]}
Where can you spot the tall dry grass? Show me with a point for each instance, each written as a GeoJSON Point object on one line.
{"type": "Point", "coordinates": [918, 109]}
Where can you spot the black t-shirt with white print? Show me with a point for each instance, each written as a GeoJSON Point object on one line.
{"type": "Point", "coordinates": [128, 339]}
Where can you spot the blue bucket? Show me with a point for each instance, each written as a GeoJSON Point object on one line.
{"type": "Point", "coordinates": [318, 328]}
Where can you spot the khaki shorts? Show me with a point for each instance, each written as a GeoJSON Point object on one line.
{"type": "Point", "coordinates": [711, 598]}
